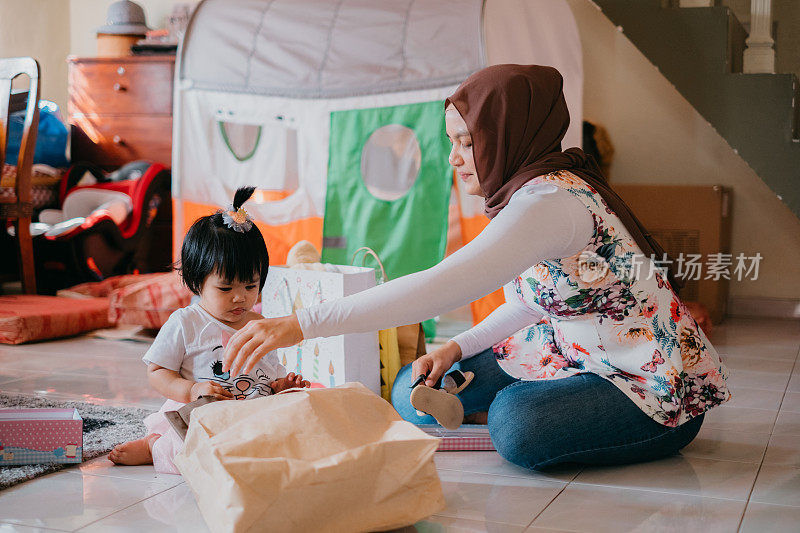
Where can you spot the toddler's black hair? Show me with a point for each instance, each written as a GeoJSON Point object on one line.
{"type": "Point", "coordinates": [211, 246]}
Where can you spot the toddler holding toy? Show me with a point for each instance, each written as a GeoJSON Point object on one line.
{"type": "Point", "coordinates": [224, 260]}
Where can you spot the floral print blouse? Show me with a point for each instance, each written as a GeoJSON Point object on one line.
{"type": "Point", "coordinates": [623, 322]}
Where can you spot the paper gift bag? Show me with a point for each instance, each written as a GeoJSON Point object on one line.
{"type": "Point", "coordinates": [411, 343]}
{"type": "Point", "coordinates": [322, 360]}
{"type": "Point", "coordinates": [336, 459]}
{"type": "Point", "coordinates": [390, 360]}
{"type": "Point", "coordinates": [399, 347]}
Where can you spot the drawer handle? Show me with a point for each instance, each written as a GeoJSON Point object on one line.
{"type": "Point", "coordinates": [118, 140]}
{"type": "Point", "coordinates": [119, 88]}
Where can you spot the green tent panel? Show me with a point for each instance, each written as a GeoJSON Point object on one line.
{"type": "Point", "coordinates": [408, 233]}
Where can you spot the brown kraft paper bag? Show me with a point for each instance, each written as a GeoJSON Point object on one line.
{"type": "Point", "coordinates": [338, 459]}
{"type": "Point", "coordinates": [411, 343]}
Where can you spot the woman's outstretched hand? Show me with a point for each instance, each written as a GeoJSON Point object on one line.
{"type": "Point", "coordinates": [436, 363]}
{"type": "Point", "coordinates": [256, 339]}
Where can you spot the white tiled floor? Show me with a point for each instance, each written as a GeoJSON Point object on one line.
{"type": "Point", "coordinates": [741, 473]}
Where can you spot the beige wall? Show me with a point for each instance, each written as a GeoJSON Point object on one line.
{"type": "Point", "coordinates": [660, 139]}
{"type": "Point", "coordinates": [49, 30]}
{"type": "Point", "coordinates": [88, 15]}
{"type": "Point", "coordinates": [39, 28]}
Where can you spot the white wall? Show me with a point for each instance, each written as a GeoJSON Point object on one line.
{"type": "Point", "coordinates": [660, 139]}
{"type": "Point", "coordinates": [39, 28]}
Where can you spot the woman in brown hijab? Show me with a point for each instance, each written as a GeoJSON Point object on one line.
{"type": "Point", "coordinates": [593, 358]}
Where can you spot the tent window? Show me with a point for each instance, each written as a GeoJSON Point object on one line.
{"type": "Point", "coordinates": [241, 139]}
{"type": "Point", "coordinates": [278, 169]}
{"type": "Point", "coordinates": [390, 162]}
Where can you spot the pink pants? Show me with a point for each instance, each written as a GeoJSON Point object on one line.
{"type": "Point", "coordinates": [170, 443]}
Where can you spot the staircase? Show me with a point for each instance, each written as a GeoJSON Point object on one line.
{"type": "Point", "coordinates": [699, 50]}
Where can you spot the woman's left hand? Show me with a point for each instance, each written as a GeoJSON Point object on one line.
{"type": "Point", "coordinates": [256, 339]}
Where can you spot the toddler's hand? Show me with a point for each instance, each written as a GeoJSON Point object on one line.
{"type": "Point", "coordinates": [291, 381]}
{"type": "Point", "coordinates": [209, 388]}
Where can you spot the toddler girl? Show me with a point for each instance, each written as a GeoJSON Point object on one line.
{"type": "Point", "coordinates": [223, 260]}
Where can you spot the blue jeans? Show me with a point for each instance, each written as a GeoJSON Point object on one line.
{"type": "Point", "coordinates": [536, 424]}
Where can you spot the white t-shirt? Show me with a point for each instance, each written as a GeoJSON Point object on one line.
{"type": "Point", "coordinates": [192, 342]}
{"type": "Point", "coordinates": [541, 221]}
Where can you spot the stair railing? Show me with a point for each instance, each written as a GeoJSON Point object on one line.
{"type": "Point", "coordinates": [759, 56]}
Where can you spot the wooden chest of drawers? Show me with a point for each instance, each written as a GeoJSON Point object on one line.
{"type": "Point", "coordinates": [120, 109]}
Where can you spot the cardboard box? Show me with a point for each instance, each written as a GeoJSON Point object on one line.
{"type": "Point", "coordinates": [688, 219]}
{"type": "Point", "coordinates": [32, 436]}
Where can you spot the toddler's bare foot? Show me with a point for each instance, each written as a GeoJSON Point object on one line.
{"type": "Point", "coordinates": [135, 452]}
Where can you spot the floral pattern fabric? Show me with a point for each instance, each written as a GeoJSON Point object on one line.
{"type": "Point", "coordinates": [623, 322]}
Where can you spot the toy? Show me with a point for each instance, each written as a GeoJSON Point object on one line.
{"type": "Point", "coordinates": [343, 130]}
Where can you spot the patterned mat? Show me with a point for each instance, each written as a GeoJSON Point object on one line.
{"type": "Point", "coordinates": [103, 428]}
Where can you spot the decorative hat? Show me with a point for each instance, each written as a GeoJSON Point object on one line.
{"type": "Point", "coordinates": [124, 18]}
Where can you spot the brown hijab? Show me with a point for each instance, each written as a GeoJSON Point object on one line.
{"type": "Point", "coordinates": [517, 117]}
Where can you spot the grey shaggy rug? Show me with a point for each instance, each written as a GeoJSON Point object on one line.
{"type": "Point", "coordinates": [103, 428]}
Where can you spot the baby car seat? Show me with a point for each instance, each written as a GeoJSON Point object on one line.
{"type": "Point", "coordinates": [110, 224]}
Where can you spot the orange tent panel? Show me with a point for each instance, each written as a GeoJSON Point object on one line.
{"type": "Point", "coordinates": [279, 238]}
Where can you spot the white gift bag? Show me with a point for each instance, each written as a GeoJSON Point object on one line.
{"type": "Point", "coordinates": [327, 361]}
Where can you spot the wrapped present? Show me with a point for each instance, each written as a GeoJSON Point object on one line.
{"type": "Point", "coordinates": [466, 438]}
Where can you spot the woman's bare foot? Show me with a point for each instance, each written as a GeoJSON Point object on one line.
{"type": "Point", "coordinates": [135, 452]}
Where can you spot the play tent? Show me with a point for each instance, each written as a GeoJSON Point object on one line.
{"type": "Point", "coordinates": [333, 109]}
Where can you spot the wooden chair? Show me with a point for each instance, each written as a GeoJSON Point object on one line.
{"type": "Point", "coordinates": [19, 209]}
